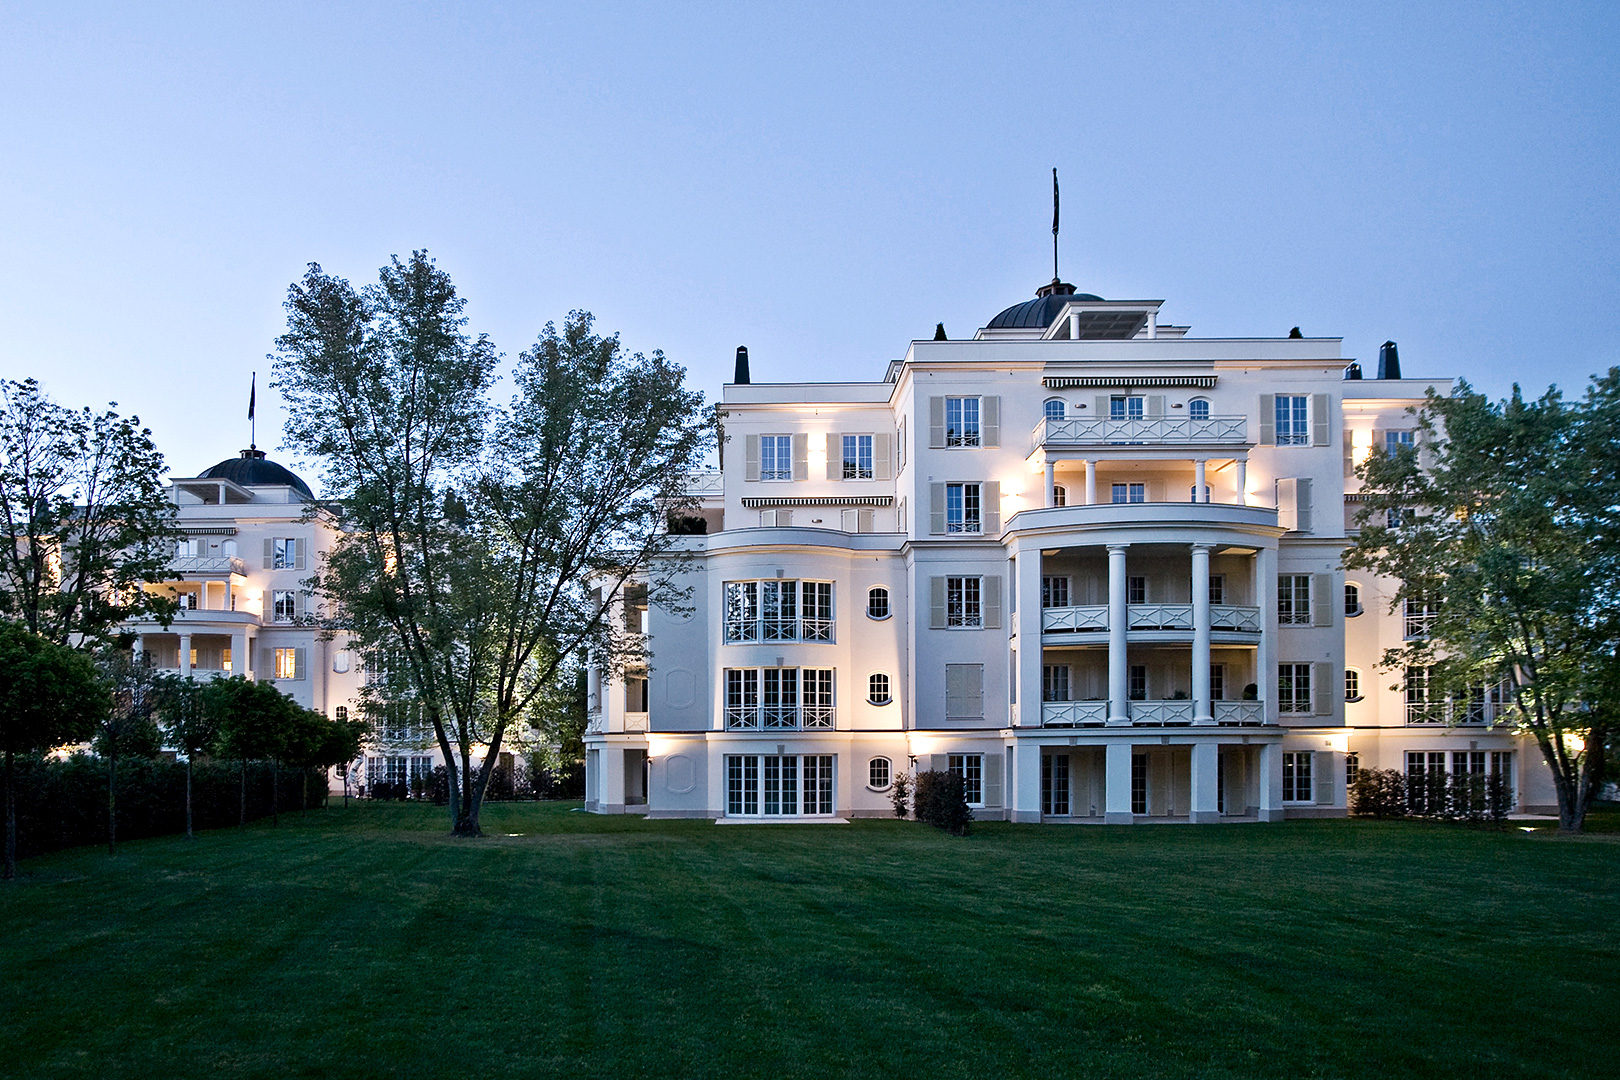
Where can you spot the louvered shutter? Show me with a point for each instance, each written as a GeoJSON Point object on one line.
{"type": "Point", "coordinates": [992, 779]}
{"type": "Point", "coordinates": [850, 520]}
{"type": "Point", "coordinates": [1319, 419]}
{"type": "Point", "coordinates": [1323, 688]}
{"type": "Point", "coordinates": [1102, 406]}
{"type": "Point", "coordinates": [936, 603]}
{"type": "Point", "coordinates": [1323, 771]}
{"type": "Point", "coordinates": [1349, 453]}
{"type": "Point", "coordinates": [881, 466]}
{"type": "Point", "coordinates": [1288, 503]}
{"type": "Point", "coordinates": [1268, 419]}
{"type": "Point", "coordinates": [955, 698]}
{"type": "Point", "coordinates": [1321, 599]}
{"type": "Point", "coordinates": [990, 507]}
{"type": "Point", "coordinates": [868, 521]}
{"type": "Point", "coordinates": [801, 456]}
{"type": "Point", "coordinates": [936, 422]}
{"type": "Point", "coordinates": [936, 509]}
{"type": "Point", "coordinates": [990, 421]}
{"type": "Point", "coordinates": [835, 457]}
{"type": "Point", "coordinates": [300, 553]}
{"type": "Point", "coordinates": [1302, 504]}
{"type": "Point", "coordinates": [990, 601]}
{"type": "Point", "coordinates": [300, 663]}
{"type": "Point", "coordinates": [267, 664]}
{"type": "Point", "coordinates": [973, 690]}
{"type": "Point", "coordinates": [751, 457]}
{"type": "Point", "coordinates": [1155, 405]}
{"type": "Point", "coordinates": [269, 554]}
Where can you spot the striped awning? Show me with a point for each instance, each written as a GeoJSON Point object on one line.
{"type": "Point", "coordinates": [1061, 382]}
{"type": "Point", "coordinates": [208, 530]}
{"type": "Point", "coordinates": [755, 503]}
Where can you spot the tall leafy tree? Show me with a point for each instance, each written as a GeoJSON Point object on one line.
{"type": "Point", "coordinates": [128, 727]}
{"type": "Point", "coordinates": [1503, 527]}
{"type": "Point", "coordinates": [251, 718]}
{"type": "Point", "coordinates": [484, 546]}
{"type": "Point", "coordinates": [186, 724]}
{"type": "Point", "coordinates": [82, 494]}
{"type": "Point", "coordinates": [49, 695]}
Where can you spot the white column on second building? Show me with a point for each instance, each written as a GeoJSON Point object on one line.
{"type": "Point", "coordinates": [1026, 621]}
{"type": "Point", "coordinates": [1271, 792]}
{"type": "Point", "coordinates": [185, 655]}
{"type": "Point", "coordinates": [1243, 481]}
{"type": "Point", "coordinates": [1203, 708]}
{"type": "Point", "coordinates": [1117, 784]}
{"type": "Point", "coordinates": [1205, 783]}
{"type": "Point", "coordinates": [1051, 483]}
{"type": "Point", "coordinates": [1091, 483]}
{"type": "Point", "coordinates": [239, 652]}
{"type": "Point", "coordinates": [1265, 657]}
{"type": "Point", "coordinates": [1118, 620]}
{"type": "Point", "coordinates": [1200, 481]}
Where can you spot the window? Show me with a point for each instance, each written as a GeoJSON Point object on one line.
{"type": "Point", "coordinates": [961, 421]}
{"type": "Point", "coordinates": [1125, 407]}
{"type": "Point", "coordinates": [1297, 776]}
{"type": "Point", "coordinates": [284, 605]}
{"type": "Point", "coordinates": [1192, 494]}
{"type": "Point", "coordinates": [779, 610]}
{"type": "Point", "coordinates": [1054, 409]}
{"type": "Point", "coordinates": [877, 603]}
{"type": "Point", "coordinates": [1352, 684]}
{"type": "Point", "coordinates": [1397, 518]}
{"type": "Point", "coordinates": [962, 509]}
{"type": "Point", "coordinates": [879, 773]}
{"type": "Point", "coordinates": [1217, 682]}
{"type": "Point", "coordinates": [1198, 408]}
{"type": "Point", "coordinates": [1425, 781]}
{"type": "Point", "coordinates": [1352, 769]}
{"type": "Point", "coordinates": [776, 457]}
{"type": "Point", "coordinates": [187, 548]}
{"type": "Point", "coordinates": [1130, 493]}
{"type": "Point", "coordinates": [1055, 785]}
{"type": "Point", "coordinates": [284, 553]}
{"type": "Point", "coordinates": [1294, 599]}
{"type": "Point", "coordinates": [877, 690]}
{"type": "Point", "coordinates": [970, 767]}
{"type": "Point", "coordinates": [1054, 682]}
{"type": "Point", "coordinates": [1420, 709]}
{"type": "Point", "coordinates": [1138, 683]}
{"type": "Point", "coordinates": [779, 698]}
{"type": "Point", "coordinates": [1060, 495]}
{"type": "Point", "coordinates": [1418, 614]}
{"type": "Point", "coordinates": [286, 664]}
{"type": "Point", "coordinates": [1352, 599]}
{"type": "Point", "coordinates": [1139, 783]}
{"type": "Point", "coordinates": [1217, 588]}
{"type": "Point", "coordinates": [858, 457]}
{"type": "Point", "coordinates": [964, 691]}
{"type": "Point", "coordinates": [779, 785]}
{"type": "Point", "coordinates": [1136, 590]}
{"type": "Point", "coordinates": [1294, 688]}
{"type": "Point", "coordinates": [1054, 591]}
{"type": "Point", "coordinates": [963, 602]}
{"type": "Point", "coordinates": [1293, 423]}
{"type": "Point", "coordinates": [1396, 441]}
{"type": "Point", "coordinates": [341, 714]}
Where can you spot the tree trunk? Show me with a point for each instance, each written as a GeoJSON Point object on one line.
{"type": "Point", "coordinates": [112, 804]}
{"type": "Point", "coordinates": [10, 870]}
{"type": "Point", "coordinates": [189, 836]}
{"type": "Point", "coordinates": [275, 794]}
{"type": "Point", "coordinates": [241, 821]}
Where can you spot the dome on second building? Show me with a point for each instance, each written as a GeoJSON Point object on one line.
{"type": "Point", "coordinates": [1037, 314]}
{"type": "Point", "coordinates": [253, 469]}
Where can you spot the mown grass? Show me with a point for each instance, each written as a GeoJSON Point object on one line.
{"type": "Point", "coordinates": [363, 942]}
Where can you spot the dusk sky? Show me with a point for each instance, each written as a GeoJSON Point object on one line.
{"type": "Point", "coordinates": [820, 182]}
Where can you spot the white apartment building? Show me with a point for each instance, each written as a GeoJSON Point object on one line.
{"type": "Point", "coordinates": [1087, 561]}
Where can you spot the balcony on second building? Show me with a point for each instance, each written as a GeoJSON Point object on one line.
{"type": "Point", "coordinates": [1078, 623]}
{"type": "Point", "coordinates": [1140, 430]}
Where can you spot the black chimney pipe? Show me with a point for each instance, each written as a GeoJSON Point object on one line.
{"type": "Point", "coordinates": [1353, 371]}
{"type": "Point", "coordinates": [740, 377]}
{"type": "Point", "coordinates": [1389, 361]}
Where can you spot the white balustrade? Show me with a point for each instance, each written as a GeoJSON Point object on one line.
{"type": "Point", "coordinates": [1073, 713]}
{"type": "Point", "coordinates": [1147, 429]}
{"type": "Point", "coordinates": [779, 717]}
{"type": "Point", "coordinates": [208, 564]}
{"type": "Point", "coordinates": [1064, 619]}
{"type": "Point", "coordinates": [1160, 616]}
{"type": "Point", "coordinates": [1161, 712]}
{"type": "Point", "coordinates": [1240, 712]}
{"type": "Point", "coordinates": [1232, 617]}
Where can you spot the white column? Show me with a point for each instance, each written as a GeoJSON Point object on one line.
{"type": "Point", "coordinates": [1118, 618]}
{"type": "Point", "coordinates": [1117, 785]}
{"type": "Point", "coordinates": [612, 789]}
{"type": "Point", "coordinates": [1091, 483]}
{"type": "Point", "coordinates": [1153, 324]}
{"type": "Point", "coordinates": [1203, 708]}
{"type": "Point", "coordinates": [1027, 623]}
{"type": "Point", "coordinates": [1206, 762]}
{"type": "Point", "coordinates": [185, 655]}
{"type": "Point", "coordinates": [1051, 482]}
{"type": "Point", "coordinates": [1265, 660]}
{"type": "Point", "coordinates": [1200, 481]}
{"type": "Point", "coordinates": [1074, 325]}
{"type": "Point", "coordinates": [1243, 481]}
{"type": "Point", "coordinates": [1271, 782]}
{"type": "Point", "coordinates": [1026, 782]}
{"type": "Point", "coordinates": [239, 652]}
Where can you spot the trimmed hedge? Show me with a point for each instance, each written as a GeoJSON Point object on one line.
{"type": "Point", "coordinates": [63, 803]}
{"type": "Point", "coordinates": [941, 800]}
{"type": "Point", "coordinates": [1447, 796]}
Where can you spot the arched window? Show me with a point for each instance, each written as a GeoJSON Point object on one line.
{"type": "Point", "coordinates": [877, 690]}
{"type": "Point", "coordinates": [1060, 495]}
{"type": "Point", "coordinates": [1352, 684]}
{"type": "Point", "coordinates": [878, 773]}
{"type": "Point", "coordinates": [1352, 599]}
{"type": "Point", "coordinates": [1055, 409]}
{"type": "Point", "coordinates": [1198, 408]}
{"type": "Point", "coordinates": [877, 603]}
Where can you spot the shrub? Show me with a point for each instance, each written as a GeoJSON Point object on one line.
{"type": "Point", "coordinates": [899, 792]}
{"type": "Point", "coordinates": [1378, 793]}
{"type": "Point", "coordinates": [942, 801]}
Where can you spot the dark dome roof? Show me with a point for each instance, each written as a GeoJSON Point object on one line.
{"type": "Point", "coordinates": [253, 469]}
{"type": "Point", "coordinates": [1037, 314]}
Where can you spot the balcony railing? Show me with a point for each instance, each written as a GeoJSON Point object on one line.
{"type": "Point", "coordinates": [1240, 712]}
{"type": "Point", "coordinates": [779, 717]}
{"type": "Point", "coordinates": [635, 721]}
{"type": "Point", "coordinates": [1103, 430]}
{"type": "Point", "coordinates": [777, 628]}
{"type": "Point", "coordinates": [1094, 617]}
{"type": "Point", "coordinates": [1150, 713]}
{"type": "Point", "coordinates": [207, 564]}
{"type": "Point", "coordinates": [1073, 713]}
{"type": "Point", "coordinates": [711, 482]}
{"type": "Point", "coordinates": [1161, 712]}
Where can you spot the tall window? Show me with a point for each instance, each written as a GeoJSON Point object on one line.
{"type": "Point", "coordinates": [1136, 590]}
{"type": "Point", "coordinates": [781, 698]}
{"type": "Point", "coordinates": [776, 457]}
{"type": "Point", "coordinates": [1198, 408]}
{"type": "Point", "coordinates": [857, 457]}
{"type": "Point", "coordinates": [1297, 776]}
{"type": "Point", "coordinates": [1137, 682]}
{"type": "Point", "coordinates": [877, 603]}
{"type": "Point", "coordinates": [284, 605]}
{"type": "Point", "coordinates": [1396, 441]}
{"type": "Point", "coordinates": [963, 602]}
{"type": "Point", "coordinates": [1417, 615]}
{"type": "Point", "coordinates": [1129, 493]}
{"type": "Point", "coordinates": [1054, 591]}
{"type": "Point", "coordinates": [1352, 599]}
{"type": "Point", "coordinates": [970, 767]}
{"type": "Point", "coordinates": [1054, 682]}
{"type": "Point", "coordinates": [1294, 688]}
{"type": "Point", "coordinates": [961, 421]}
{"type": "Point", "coordinates": [1293, 419]}
{"type": "Point", "coordinates": [286, 663]}
{"type": "Point", "coordinates": [877, 690]}
{"type": "Point", "coordinates": [779, 785]}
{"type": "Point", "coordinates": [1055, 785]}
{"type": "Point", "coordinates": [284, 553]}
{"type": "Point", "coordinates": [779, 610]}
{"type": "Point", "coordinates": [1054, 409]}
{"type": "Point", "coordinates": [1420, 708]}
{"type": "Point", "coordinates": [1060, 495]}
{"type": "Point", "coordinates": [1352, 770]}
{"type": "Point", "coordinates": [1217, 682]}
{"type": "Point", "coordinates": [1125, 407]}
{"type": "Point", "coordinates": [962, 508]}
{"type": "Point", "coordinates": [1139, 784]}
{"type": "Point", "coordinates": [1217, 588]}
{"type": "Point", "coordinates": [1294, 599]}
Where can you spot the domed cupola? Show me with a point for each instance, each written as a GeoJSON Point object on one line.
{"type": "Point", "coordinates": [253, 469]}
{"type": "Point", "coordinates": [1037, 314]}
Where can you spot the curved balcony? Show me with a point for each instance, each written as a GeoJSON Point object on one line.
{"type": "Point", "coordinates": [1093, 618]}
{"type": "Point", "coordinates": [1150, 713]}
{"type": "Point", "coordinates": [208, 564]}
{"type": "Point", "coordinates": [1232, 431]}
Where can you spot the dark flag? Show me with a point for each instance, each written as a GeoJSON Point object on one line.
{"type": "Point", "coordinates": [1054, 202]}
{"type": "Point", "coordinates": [253, 394]}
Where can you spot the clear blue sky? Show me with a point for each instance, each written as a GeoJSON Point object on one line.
{"type": "Point", "coordinates": [820, 182]}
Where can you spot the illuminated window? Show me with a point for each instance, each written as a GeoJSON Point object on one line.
{"type": "Point", "coordinates": [286, 664]}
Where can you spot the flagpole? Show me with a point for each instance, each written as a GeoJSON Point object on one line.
{"type": "Point", "coordinates": [253, 427]}
{"type": "Point", "coordinates": [1054, 223]}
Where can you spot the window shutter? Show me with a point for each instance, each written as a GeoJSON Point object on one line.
{"type": "Point", "coordinates": [936, 422]}
{"type": "Point", "coordinates": [990, 421]}
{"type": "Point", "coordinates": [936, 509]}
{"type": "Point", "coordinates": [267, 664]}
{"type": "Point", "coordinates": [955, 699]}
{"type": "Point", "coordinates": [1155, 405]}
{"type": "Point", "coordinates": [1302, 504]}
{"type": "Point", "coordinates": [1322, 600]}
{"type": "Point", "coordinates": [269, 553]}
{"type": "Point", "coordinates": [1425, 450]}
{"type": "Point", "coordinates": [801, 456]}
{"type": "Point", "coordinates": [851, 520]}
{"type": "Point", "coordinates": [1323, 772]}
{"type": "Point", "coordinates": [298, 605]}
{"type": "Point", "coordinates": [936, 604]}
{"type": "Point", "coordinates": [990, 601]}
{"type": "Point", "coordinates": [1288, 503]}
{"type": "Point", "coordinates": [835, 457]}
{"type": "Point", "coordinates": [1323, 689]}
{"type": "Point", "coordinates": [990, 507]}
{"type": "Point", "coordinates": [881, 469]}
{"type": "Point", "coordinates": [992, 779]}
{"type": "Point", "coordinates": [939, 762]}
{"type": "Point", "coordinates": [973, 689]}
{"type": "Point", "coordinates": [300, 553]}
{"type": "Point", "coordinates": [1102, 406]}
{"type": "Point", "coordinates": [1319, 419]}
{"type": "Point", "coordinates": [1349, 453]}
{"type": "Point", "coordinates": [751, 457]}
{"type": "Point", "coordinates": [1379, 435]}
{"type": "Point", "coordinates": [1268, 419]}
{"type": "Point", "coordinates": [868, 521]}
{"type": "Point", "coordinates": [300, 663]}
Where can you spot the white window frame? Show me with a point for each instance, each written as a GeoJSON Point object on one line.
{"type": "Point", "coordinates": [1127, 407]}
{"type": "Point", "coordinates": [286, 663]}
{"type": "Point", "coordinates": [964, 602]}
{"type": "Point", "coordinates": [970, 767]}
{"type": "Point", "coordinates": [964, 507]}
{"type": "Point", "coordinates": [1297, 776]}
{"type": "Point", "coordinates": [776, 457]}
{"type": "Point", "coordinates": [1127, 493]}
{"type": "Point", "coordinates": [284, 553]}
{"type": "Point", "coordinates": [879, 689]}
{"type": "Point", "coordinates": [877, 603]}
{"type": "Point", "coordinates": [879, 774]}
{"type": "Point", "coordinates": [1055, 409]}
{"type": "Point", "coordinates": [1293, 419]}
{"type": "Point", "coordinates": [1054, 591]}
{"type": "Point", "coordinates": [1352, 684]}
{"type": "Point", "coordinates": [1294, 689]}
{"type": "Point", "coordinates": [753, 781]}
{"type": "Point", "coordinates": [1352, 600]}
{"type": "Point", "coordinates": [964, 421]}
{"type": "Point", "coordinates": [1217, 589]}
{"type": "Point", "coordinates": [283, 605]}
{"type": "Point", "coordinates": [857, 457]}
{"type": "Point", "coordinates": [1198, 408]}
{"type": "Point", "coordinates": [1055, 682]}
{"type": "Point", "coordinates": [1294, 599]}
{"type": "Point", "coordinates": [778, 609]}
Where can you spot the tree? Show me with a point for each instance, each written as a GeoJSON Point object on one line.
{"type": "Point", "coordinates": [128, 727]}
{"type": "Point", "coordinates": [484, 546]}
{"type": "Point", "coordinates": [188, 726]}
{"type": "Point", "coordinates": [1503, 528]}
{"type": "Point", "coordinates": [49, 695]}
{"type": "Point", "coordinates": [251, 718]}
{"type": "Point", "coordinates": [82, 493]}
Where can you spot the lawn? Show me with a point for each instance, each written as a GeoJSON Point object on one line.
{"type": "Point", "coordinates": [363, 942]}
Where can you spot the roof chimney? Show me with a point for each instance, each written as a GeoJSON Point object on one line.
{"type": "Point", "coordinates": [1389, 361]}
{"type": "Point", "coordinates": [939, 332]}
{"type": "Point", "coordinates": [740, 377]}
{"type": "Point", "coordinates": [1353, 371]}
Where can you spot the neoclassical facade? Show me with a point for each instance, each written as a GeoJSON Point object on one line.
{"type": "Point", "coordinates": [1084, 559]}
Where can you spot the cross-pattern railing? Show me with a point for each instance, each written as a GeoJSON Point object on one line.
{"type": "Point", "coordinates": [1073, 713]}
{"type": "Point", "coordinates": [635, 721]}
{"type": "Point", "coordinates": [1159, 617]}
{"type": "Point", "coordinates": [207, 564]}
{"type": "Point", "coordinates": [1240, 712]}
{"type": "Point", "coordinates": [1089, 617]}
{"type": "Point", "coordinates": [1233, 617]}
{"type": "Point", "coordinates": [778, 717]}
{"type": "Point", "coordinates": [1161, 712]}
{"type": "Point", "coordinates": [1094, 617]}
{"type": "Point", "coordinates": [1145, 429]}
